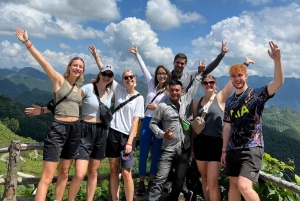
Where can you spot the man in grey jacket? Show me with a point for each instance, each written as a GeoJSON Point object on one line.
{"type": "Point", "coordinates": [176, 141]}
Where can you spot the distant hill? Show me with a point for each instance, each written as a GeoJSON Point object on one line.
{"type": "Point", "coordinates": [27, 79]}
{"type": "Point", "coordinates": [7, 135]}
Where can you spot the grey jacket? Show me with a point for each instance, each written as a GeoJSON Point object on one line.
{"type": "Point", "coordinates": [167, 114]}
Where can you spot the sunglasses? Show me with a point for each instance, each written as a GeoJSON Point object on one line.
{"type": "Point", "coordinates": [209, 83]}
{"type": "Point", "coordinates": [110, 75]}
{"type": "Point", "coordinates": [130, 76]}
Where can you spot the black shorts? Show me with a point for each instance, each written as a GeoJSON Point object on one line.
{"type": "Point", "coordinates": [93, 141]}
{"type": "Point", "coordinates": [207, 148]}
{"type": "Point", "coordinates": [244, 162]}
{"type": "Point", "coordinates": [116, 143]}
{"type": "Point", "coordinates": [62, 141]}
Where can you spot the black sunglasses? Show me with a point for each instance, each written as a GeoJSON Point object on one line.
{"type": "Point", "coordinates": [210, 83]}
{"type": "Point", "coordinates": [110, 75]}
{"type": "Point", "coordinates": [130, 76]}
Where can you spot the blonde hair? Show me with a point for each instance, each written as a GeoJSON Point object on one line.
{"type": "Point", "coordinates": [128, 71]}
{"type": "Point", "coordinates": [80, 79]}
{"type": "Point", "coordinates": [237, 68]}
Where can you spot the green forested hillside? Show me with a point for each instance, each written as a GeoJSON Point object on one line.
{"type": "Point", "coordinates": [33, 127]}
{"type": "Point", "coordinates": [7, 135]}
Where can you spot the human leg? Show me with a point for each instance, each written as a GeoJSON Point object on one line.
{"type": "Point", "coordinates": [213, 171]}
{"type": "Point", "coordinates": [128, 183]}
{"type": "Point", "coordinates": [80, 171]}
{"type": "Point", "coordinates": [93, 167]}
{"type": "Point", "coordinates": [246, 189]}
{"type": "Point", "coordinates": [145, 142]}
{"type": "Point", "coordinates": [234, 193]}
{"type": "Point", "coordinates": [48, 172]}
{"type": "Point", "coordinates": [114, 187]}
{"type": "Point", "coordinates": [164, 166]}
{"type": "Point", "coordinates": [202, 167]}
{"type": "Point", "coordinates": [62, 177]}
{"type": "Point", "coordinates": [181, 165]}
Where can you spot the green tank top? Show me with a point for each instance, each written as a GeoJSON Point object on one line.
{"type": "Point", "coordinates": [68, 107]}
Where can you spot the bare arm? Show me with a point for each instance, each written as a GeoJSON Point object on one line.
{"type": "Point", "coordinates": [216, 62]}
{"type": "Point", "coordinates": [224, 94]}
{"type": "Point", "coordinates": [278, 81]}
{"type": "Point", "coordinates": [36, 110]}
{"type": "Point", "coordinates": [134, 126]}
{"type": "Point", "coordinates": [56, 78]}
{"type": "Point", "coordinates": [226, 136]}
{"type": "Point", "coordinates": [93, 51]}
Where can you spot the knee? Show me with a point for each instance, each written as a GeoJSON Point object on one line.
{"type": "Point", "coordinates": [79, 176]}
{"type": "Point", "coordinates": [126, 174]}
{"type": "Point", "coordinates": [63, 172]}
{"type": "Point", "coordinates": [114, 170]}
{"type": "Point", "coordinates": [244, 188]}
{"type": "Point", "coordinates": [46, 180]}
{"type": "Point", "coordinates": [212, 184]}
{"type": "Point", "coordinates": [93, 174]}
{"type": "Point", "coordinates": [204, 178]}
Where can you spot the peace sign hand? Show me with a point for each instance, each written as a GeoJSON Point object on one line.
{"type": "Point", "coordinates": [275, 51]}
{"type": "Point", "coordinates": [133, 50]}
{"type": "Point", "coordinates": [22, 35]}
{"type": "Point", "coordinates": [224, 49]}
{"type": "Point", "coordinates": [201, 66]}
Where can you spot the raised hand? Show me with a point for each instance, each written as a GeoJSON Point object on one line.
{"type": "Point", "coordinates": [133, 50]}
{"type": "Point", "coordinates": [168, 134]}
{"type": "Point", "coordinates": [35, 110]}
{"type": "Point", "coordinates": [201, 66]}
{"type": "Point", "coordinates": [93, 50]}
{"type": "Point", "coordinates": [22, 35]}
{"type": "Point", "coordinates": [274, 53]}
{"type": "Point", "coordinates": [224, 49]}
{"type": "Point", "coordinates": [249, 61]}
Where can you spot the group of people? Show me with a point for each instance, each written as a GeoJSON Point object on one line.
{"type": "Point", "coordinates": [169, 102]}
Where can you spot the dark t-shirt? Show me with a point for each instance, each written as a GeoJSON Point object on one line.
{"type": "Point", "coordinates": [244, 113]}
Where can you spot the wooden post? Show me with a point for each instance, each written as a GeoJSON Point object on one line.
{"type": "Point", "coordinates": [12, 170]}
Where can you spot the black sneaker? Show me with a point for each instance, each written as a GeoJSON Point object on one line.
{"type": "Point", "coordinates": [188, 196]}
{"type": "Point", "coordinates": [167, 187]}
{"type": "Point", "coordinates": [141, 189]}
{"type": "Point", "coordinates": [150, 184]}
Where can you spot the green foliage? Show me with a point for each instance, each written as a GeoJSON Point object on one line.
{"type": "Point", "coordinates": [12, 124]}
{"type": "Point", "coordinates": [269, 191]}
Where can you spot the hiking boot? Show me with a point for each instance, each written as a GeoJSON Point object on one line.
{"type": "Point", "coordinates": [141, 189]}
{"type": "Point", "coordinates": [150, 184]}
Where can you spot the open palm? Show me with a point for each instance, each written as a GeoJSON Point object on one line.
{"type": "Point", "coordinates": [22, 35]}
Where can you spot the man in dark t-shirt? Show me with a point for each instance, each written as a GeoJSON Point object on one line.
{"type": "Point", "coordinates": [243, 144]}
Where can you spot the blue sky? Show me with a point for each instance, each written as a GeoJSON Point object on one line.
{"type": "Point", "coordinates": [160, 29]}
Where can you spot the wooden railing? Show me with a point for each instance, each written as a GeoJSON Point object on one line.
{"type": "Point", "coordinates": [12, 180]}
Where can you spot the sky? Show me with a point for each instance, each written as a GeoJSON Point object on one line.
{"type": "Point", "coordinates": [160, 29]}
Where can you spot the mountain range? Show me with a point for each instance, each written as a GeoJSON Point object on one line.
{"type": "Point", "coordinates": [29, 85]}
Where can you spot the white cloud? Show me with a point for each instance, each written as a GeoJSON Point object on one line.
{"type": "Point", "coordinates": [64, 46]}
{"type": "Point", "coordinates": [258, 2]}
{"type": "Point", "coordinates": [78, 10]}
{"type": "Point", "coordinates": [248, 35]}
{"type": "Point", "coordinates": [132, 31]}
{"type": "Point", "coordinates": [163, 15]}
{"type": "Point", "coordinates": [40, 24]}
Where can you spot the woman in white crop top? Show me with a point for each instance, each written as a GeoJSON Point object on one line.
{"type": "Point", "coordinates": [63, 136]}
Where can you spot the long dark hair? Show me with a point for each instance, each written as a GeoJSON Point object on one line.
{"type": "Point", "coordinates": [166, 84]}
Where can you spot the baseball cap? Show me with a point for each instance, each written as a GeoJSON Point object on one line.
{"type": "Point", "coordinates": [107, 67]}
{"type": "Point", "coordinates": [127, 160]}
